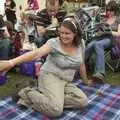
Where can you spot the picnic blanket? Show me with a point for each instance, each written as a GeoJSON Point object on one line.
{"type": "Point", "coordinates": [104, 104]}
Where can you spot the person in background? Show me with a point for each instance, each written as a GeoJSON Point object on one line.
{"type": "Point", "coordinates": [113, 19]}
{"type": "Point", "coordinates": [10, 11]}
{"type": "Point", "coordinates": [4, 26]}
{"type": "Point", "coordinates": [104, 41]}
{"type": "Point", "coordinates": [38, 37]}
{"type": "Point", "coordinates": [56, 90]}
{"type": "Point", "coordinates": [9, 27]}
{"type": "Point", "coordinates": [32, 6]}
{"type": "Point", "coordinates": [26, 25]}
{"type": "Point", "coordinates": [5, 43]}
{"type": "Point", "coordinates": [52, 16]}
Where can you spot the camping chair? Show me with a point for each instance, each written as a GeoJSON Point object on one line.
{"type": "Point", "coordinates": [95, 24]}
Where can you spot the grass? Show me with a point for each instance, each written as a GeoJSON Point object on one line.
{"type": "Point", "coordinates": [15, 77]}
{"type": "Point", "coordinates": [113, 78]}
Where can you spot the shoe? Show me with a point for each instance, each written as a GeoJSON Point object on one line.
{"type": "Point", "coordinates": [22, 104]}
{"type": "Point", "coordinates": [15, 96]}
{"type": "Point", "coordinates": [20, 85]}
{"type": "Point", "coordinates": [98, 78]}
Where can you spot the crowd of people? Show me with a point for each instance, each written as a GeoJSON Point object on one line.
{"type": "Point", "coordinates": [50, 33]}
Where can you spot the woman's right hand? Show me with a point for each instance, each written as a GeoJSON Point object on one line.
{"type": "Point", "coordinates": [5, 65]}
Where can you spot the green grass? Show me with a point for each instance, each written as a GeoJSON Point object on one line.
{"type": "Point", "coordinates": [13, 78]}
{"type": "Point", "coordinates": [113, 78]}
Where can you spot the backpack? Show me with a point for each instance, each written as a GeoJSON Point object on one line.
{"type": "Point", "coordinates": [115, 52]}
{"type": "Point", "coordinates": [27, 68]}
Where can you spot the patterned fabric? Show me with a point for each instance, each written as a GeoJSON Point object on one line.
{"type": "Point", "coordinates": [104, 104]}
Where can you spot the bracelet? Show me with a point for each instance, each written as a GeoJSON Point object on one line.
{"type": "Point", "coordinates": [11, 63]}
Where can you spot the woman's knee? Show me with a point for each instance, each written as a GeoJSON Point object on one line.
{"type": "Point", "coordinates": [84, 102]}
{"type": "Point", "coordinates": [76, 102]}
{"type": "Point", "coordinates": [51, 109]}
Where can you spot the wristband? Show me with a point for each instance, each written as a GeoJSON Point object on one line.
{"type": "Point", "coordinates": [11, 63]}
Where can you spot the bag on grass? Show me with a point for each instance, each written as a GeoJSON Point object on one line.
{"type": "Point", "coordinates": [27, 68]}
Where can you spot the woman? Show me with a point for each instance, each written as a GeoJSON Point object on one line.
{"type": "Point", "coordinates": [10, 9]}
{"type": "Point", "coordinates": [105, 41]}
{"type": "Point", "coordinates": [5, 43]}
{"type": "Point", "coordinates": [55, 88]}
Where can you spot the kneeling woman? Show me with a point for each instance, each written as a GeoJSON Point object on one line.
{"type": "Point", "coordinates": [55, 88]}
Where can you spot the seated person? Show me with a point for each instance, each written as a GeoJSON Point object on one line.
{"type": "Point", "coordinates": [52, 15]}
{"type": "Point", "coordinates": [5, 43]}
{"type": "Point", "coordinates": [100, 44]}
{"type": "Point", "coordinates": [55, 88]}
{"type": "Point", "coordinates": [113, 19]}
{"type": "Point", "coordinates": [39, 37]}
{"type": "Point", "coordinates": [26, 25]}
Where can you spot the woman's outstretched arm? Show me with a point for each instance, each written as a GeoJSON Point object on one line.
{"type": "Point", "coordinates": [32, 55]}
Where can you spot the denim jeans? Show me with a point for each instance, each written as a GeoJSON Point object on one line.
{"type": "Point", "coordinates": [98, 47]}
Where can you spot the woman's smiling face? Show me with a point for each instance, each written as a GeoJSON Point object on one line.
{"type": "Point", "coordinates": [66, 35]}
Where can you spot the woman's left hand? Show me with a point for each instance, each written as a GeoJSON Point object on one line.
{"type": "Point", "coordinates": [88, 82]}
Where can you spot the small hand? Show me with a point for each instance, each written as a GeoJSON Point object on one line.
{"type": "Point", "coordinates": [88, 82]}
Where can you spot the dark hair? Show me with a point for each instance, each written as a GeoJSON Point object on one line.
{"type": "Point", "coordinates": [71, 25]}
{"type": "Point", "coordinates": [61, 2]}
{"type": "Point", "coordinates": [2, 23]}
{"type": "Point", "coordinates": [10, 27]}
{"type": "Point", "coordinates": [30, 1]}
{"type": "Point", "coordinates": [112, 6]}
{"type": "Point", "coordinates": [13, 4]}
